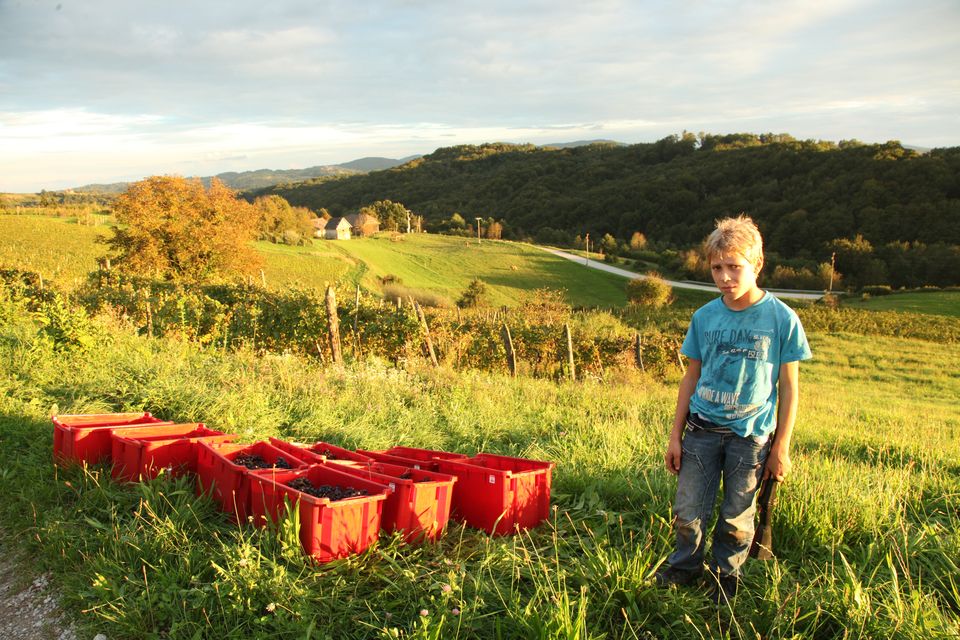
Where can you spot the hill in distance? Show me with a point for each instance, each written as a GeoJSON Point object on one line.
{"type": "Point", "coordinates": [262, 178]}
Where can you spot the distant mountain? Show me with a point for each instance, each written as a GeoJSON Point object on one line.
{"type": "Point", "coordinates": [365, 165]}
{"type": "Point", "coordinates": [262, 178]}
{"type": "Point", "coordinates": [582, 143]}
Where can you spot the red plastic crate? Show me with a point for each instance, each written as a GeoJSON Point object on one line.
{"type": "Point", "coordinates": [314, 453]}
{"type": "Point", "coordinates": [142, 453]}
{"type": "Point", "coordinates": [500, 494]}
{"type": "Point", "coordinates": [86, 437]}
{"type": "Point", "coordinates": [420, 503]}
{"type": "Point", "coordinates": [412, 457]}
{"type": "Point", "coordinates": [328, 530]}
{"type": "Point", "coordinates": [228, 482]}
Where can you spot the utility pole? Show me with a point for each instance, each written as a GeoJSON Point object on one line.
{"type": "Point", "coordinates": [587, 261]}
{"type": "Point", "coordinates": [833, 259]}
{"type": "Point", "coordinates": [478, 229]}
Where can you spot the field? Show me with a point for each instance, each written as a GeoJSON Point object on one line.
{"type": "Point", "coordinates": [867, 529]}
{"type": "Point", "coordinates": [63, 251]}
{"type": "Point", "coordinates": [944, 303]}
{"type": "Point", "coordinates": [446, 265]}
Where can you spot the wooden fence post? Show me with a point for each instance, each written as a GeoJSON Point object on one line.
{"type": "Point", "coordinates": [508, 345]}
{"type": "Point", "coordinates": [638, 346]}
{"type": "Point", "coordinates": [334, 324]}
{"type": "Point", "coordinates": [426, 334]}
{"type": "Point", "coordinates": [569, 339]}
{"type": "Point", "coordinates": [356, 314]}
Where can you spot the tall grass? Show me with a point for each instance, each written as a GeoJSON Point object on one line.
{"type": "Point", "coordinates": [61, 250]}
{"type": "Point", "coordinates": [866, 530]}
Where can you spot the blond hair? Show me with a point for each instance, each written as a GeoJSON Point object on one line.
{"type": "Point", "coordinates": [736, 235]}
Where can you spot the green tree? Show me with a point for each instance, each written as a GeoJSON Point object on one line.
{"type": "Point", "coordinates": [172, 228]}
{"type": "Point", "coordinates": [280, 222]}
{"type": "Point", "coordinates": [651, 291]}
{"type": "Point", "coordinates": [474, 295]}
{"type": "Point", "coordinates": [393, 216]}
{"type": "Point", "coordinates": [608, 245]}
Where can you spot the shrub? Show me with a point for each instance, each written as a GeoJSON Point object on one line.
{"type": "Point", "coordinates": [650, 291]}
{"type": "Point", "coordinates": [877, 290]}
{"type": "Point", "coordinates": [474, 295]}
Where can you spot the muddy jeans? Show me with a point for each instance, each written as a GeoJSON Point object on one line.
{"type": "Point", "coordinates": [708, 456]}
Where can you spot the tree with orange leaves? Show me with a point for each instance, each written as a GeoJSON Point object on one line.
{"type": "Point", "coordinates": [172, 228]}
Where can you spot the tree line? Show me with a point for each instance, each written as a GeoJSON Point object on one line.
{"type": "Point", "coordinates": [808, 197]}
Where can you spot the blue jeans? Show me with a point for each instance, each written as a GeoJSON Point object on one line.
{"type": "Point", "coordinates": [708, 456]}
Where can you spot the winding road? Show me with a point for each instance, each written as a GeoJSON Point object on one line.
{"type": "Point", "coordinates": [602, 266]}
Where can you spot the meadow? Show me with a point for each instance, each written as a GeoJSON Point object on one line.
{"type": "Point", "coordinates": [442, 266]}
{"type": "Point", "coordinates": [943, 303]}
{"type": "Point", "coordinates": [61, 250]}
{"type": "Point", "coordinates": [866, 527]}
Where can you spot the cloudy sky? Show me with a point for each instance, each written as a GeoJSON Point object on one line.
{"type": "Point", "coordinates": [109, 90]}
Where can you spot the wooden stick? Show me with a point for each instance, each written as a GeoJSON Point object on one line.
{"type": "Point", "coordinates": [639, 351]}
{"type": "Point", "coordinates": [426, 334]}
{"type": "Point", "coordinates": [334, 327]}
{"type": "Point", "coordinates": [569, 339]}
{"type": "Point", "coordinates": [508, 345]}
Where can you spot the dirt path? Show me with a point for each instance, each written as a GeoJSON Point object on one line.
{"type": "Point", "coordinates": [29, 608]}
{"type": "Point", "coordinates": [602, 266]}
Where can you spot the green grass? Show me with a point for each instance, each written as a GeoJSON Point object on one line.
{"type": "Point", "coordinates": [60, 250]}
{"type": "Point", "coordinates": [867, 530]}
{"type": "Point", "coordinates": [442, 265]}
{"type": "Point", "coordinates": [446, 265]}
{"type": "Point", "coordinates": [311, 267]}
{"type": "Point", "coordinates": [944, 303]}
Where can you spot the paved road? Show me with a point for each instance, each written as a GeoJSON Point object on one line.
{"type": "Point", "coordinates": [603, 266]}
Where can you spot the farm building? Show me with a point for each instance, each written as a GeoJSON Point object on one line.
{"type": "Point", "coordinates": [363, 224]}
{"type": "Point", "coordinates": [332, 229]}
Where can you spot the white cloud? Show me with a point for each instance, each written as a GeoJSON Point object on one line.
{"type": "Point", "coordinates": [161, 86]}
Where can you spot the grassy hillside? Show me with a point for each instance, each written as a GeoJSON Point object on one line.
{"type": "Point", "coordinates": [945, 303]}
{"type": "Point", "coordinates": [446, 265]}
{"type": "Point", "coordinates": [59, 249]}
{"type": "Point", "coordinates": [866, 531]}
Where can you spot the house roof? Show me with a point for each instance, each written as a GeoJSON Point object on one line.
{"type": "Point", "coordinates": [334, 223]}
{"type": "Point", "coordinates": [361, 219]}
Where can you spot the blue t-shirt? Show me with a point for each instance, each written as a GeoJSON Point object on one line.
{"type": "Point", "coordinates": [741, 353]}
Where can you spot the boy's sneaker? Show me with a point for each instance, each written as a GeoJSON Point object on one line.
{"type": "Point", "coordinates": [667, 576]}
{"type": "Point", "coordinates": [723, 588]}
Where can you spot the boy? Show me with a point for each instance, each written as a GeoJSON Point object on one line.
{"type": "Point", "coordinates": [735, 410]}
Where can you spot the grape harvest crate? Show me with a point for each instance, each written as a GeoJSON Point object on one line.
{"type": "Point", "coordinates": [142, 453]}
{"type": "Point", "coordinates": [420, 503]}
{"type": "Point", "coordinates": [319, 452]}
{"type": "Point", "coordinates": [86, 437]}
{"type": "Point", "coordinates": [227, 482]}
{"type": "Point", "coordinates": [500, 494]}
{"type": "Point", "coordinates": [329, 529]}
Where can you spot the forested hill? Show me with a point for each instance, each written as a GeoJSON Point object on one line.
{"type": "Point", "coordinates": [803, 193]}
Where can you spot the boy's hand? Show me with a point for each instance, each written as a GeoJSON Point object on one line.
{"type": "Point", "coordinates": [673, 455]}
{"type": "Point", "coordinates": [778, 464]}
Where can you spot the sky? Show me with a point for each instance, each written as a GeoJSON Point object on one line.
{"type": "Point", "coordinates": [116, 90]}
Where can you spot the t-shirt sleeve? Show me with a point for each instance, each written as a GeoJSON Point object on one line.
{"type": "Point", "coordinates": [794, 345]}
{"type": "Point", "coordinates": [691, 343]}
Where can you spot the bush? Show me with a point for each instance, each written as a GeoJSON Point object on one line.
{"type": "Point", "coordinates": [877, 290]}
{"type": "Point", "coordinates": [650, 291]}
{"type": "Point", "coordinates": [474, 295]}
